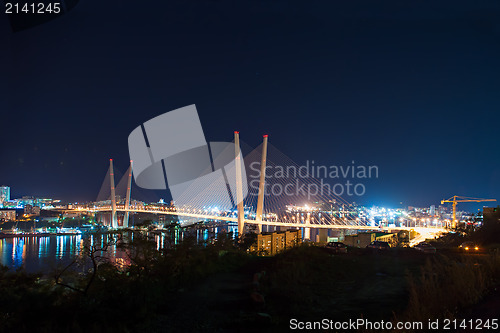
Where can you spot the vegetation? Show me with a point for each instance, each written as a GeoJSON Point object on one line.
{"type": "Point", "coordinates": [445, 286]}
{"type": "Point", "coordinates": [219, 286]}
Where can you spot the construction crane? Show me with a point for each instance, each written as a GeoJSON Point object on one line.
{"type": "Point", "coordinates": [456, 199]}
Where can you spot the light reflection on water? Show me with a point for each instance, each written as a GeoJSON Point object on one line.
{"type": "Point", "coordinates": [45, 254]}
{"type": "Point", "coordinates": [39, 253]}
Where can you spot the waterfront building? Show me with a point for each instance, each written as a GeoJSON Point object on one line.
{"type": "Point", "coordinates": [4, 194]}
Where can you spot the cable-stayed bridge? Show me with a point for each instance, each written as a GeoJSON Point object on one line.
{"type": "Point", "coordinates": [205, 216]}
{"type": "Point", "coordinates": [279, 193]}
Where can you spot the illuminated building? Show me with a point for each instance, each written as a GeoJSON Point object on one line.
{"type": "Point", "coordinates": [7, 215]}
{"type": "Point", "coordinates": [4, 194]}
{"type": "Point", "coordinates": [275, 242]}
{"type": "Point", "coordinates": [31, 210]}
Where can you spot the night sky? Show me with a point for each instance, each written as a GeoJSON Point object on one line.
{"type": "Point", "coordinates": [412, 88]}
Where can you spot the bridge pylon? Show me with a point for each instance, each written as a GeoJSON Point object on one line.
{"type": "Point", "coordinates": [127, 199]}
{"type": "Point", "coordinates": [262, 185]}
{"type": "Point", "coordinates": [239, 184]}
{"type": "Point", "coordinates": [114, 222]}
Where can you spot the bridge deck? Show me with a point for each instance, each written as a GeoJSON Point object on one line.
{"type": "Point", "coordinates": [264, 222]}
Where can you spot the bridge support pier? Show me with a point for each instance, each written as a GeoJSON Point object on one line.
{"type": "Point", "coordinates": [114, 222]}
{"type": "Point", "coordinates": [307, 230]}
{"type": "Point", "coordinates": [307, 233]}
{"type": "Point", "coordinates": [341, 235]}
{"type": "Point", "coordinates": [262, 185]}
{"type": "Point", "coordinates": [239, 185]}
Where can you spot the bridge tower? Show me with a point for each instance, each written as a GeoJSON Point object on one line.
{"type": "Point", "coordinates": [239, 184]}
{"type": "Point", "coordinates": [127, 199]}
{"type": "Point", "coordinates": [114, 222]}
{"type": "Point", "coordinates": [262, 184]}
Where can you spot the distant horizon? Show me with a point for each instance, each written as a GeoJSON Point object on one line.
{"type": "Point", "coordinates": [168, 199]}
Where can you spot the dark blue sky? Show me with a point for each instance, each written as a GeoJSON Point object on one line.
{"type": "Point", "coordinates": [411, 88]}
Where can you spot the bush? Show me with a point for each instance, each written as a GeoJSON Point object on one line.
{"type": "Point", "coordinates": [446, 285]}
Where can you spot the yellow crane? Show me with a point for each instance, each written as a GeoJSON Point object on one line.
{"type": "Point", "coordinates": [456, 199]}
